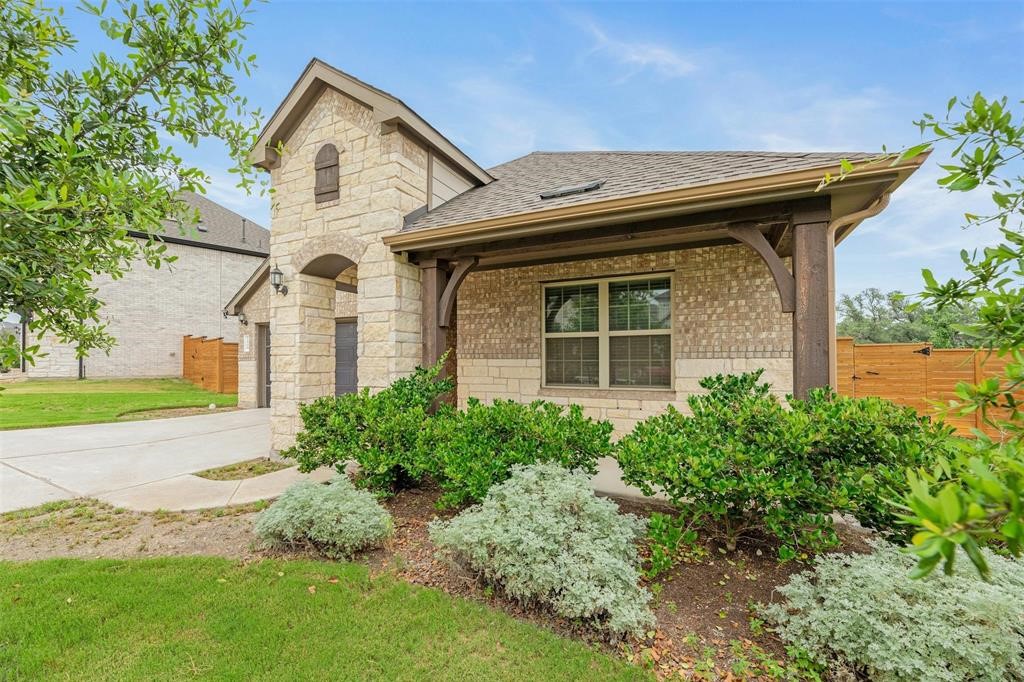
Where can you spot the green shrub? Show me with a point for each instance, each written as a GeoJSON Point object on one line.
{"type": "Point", "coordinates": [666, 536]}
{"type": "Point", "coordinates": [546, 540]}
{"type": "Point", "coordinates": [862, 612]}
{"type": "Point", "coordinates": [337, 519]}
{"type": "Point", "coordinates": [863, 448]}
{"type": "Point", "coordinates": [466, 452]}
{"type": "Point", "coordinates": [749, 464]}
{"type": "Point", "coordinates": [738, 461]}
{"type": "Point", "coordinates": [376, 430]}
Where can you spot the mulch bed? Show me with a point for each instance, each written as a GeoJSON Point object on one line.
{"type": "Point", "coordinates": [703, 605]}
{"type": "Point", "coordinates": [703, 631]}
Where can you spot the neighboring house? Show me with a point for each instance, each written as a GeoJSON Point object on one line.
{"type": "Point", "coordinates": [149, 310]}
{"type": "Point", "coordinates": [615, 280]}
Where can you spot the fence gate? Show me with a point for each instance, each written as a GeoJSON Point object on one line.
{"type": "Point", "coordinates": [913, 374]}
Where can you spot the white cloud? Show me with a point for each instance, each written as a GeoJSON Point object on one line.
{"type": "Point", "coordinates": [925, 219]}
{"type": "Point", "coordinates": [223, 189]}
{"type": "Point", "coordinates": [921, 228]}
{"type": "Point", "coordinates": [505, 121]}
{"type": "Point", "coordinates": [637, 56]}
{"type": "Point", "coordinates": [775, 116]}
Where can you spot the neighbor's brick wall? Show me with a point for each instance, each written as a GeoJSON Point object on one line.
{"type": "Point", "coordinates": [727, 317]}
{"type": "Point", "coordinates": [149, 310]}
{"type": "Point", "coordinates": [383, 177]}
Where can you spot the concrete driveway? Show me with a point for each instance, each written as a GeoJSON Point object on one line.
{"type": "Point", "coordinates": [140, 465]}
{"type": "Point", "coordinates": [147, 465]}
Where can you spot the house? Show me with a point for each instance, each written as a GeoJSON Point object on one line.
{"type": "Point", "coordinates": [614, 280]}
{"type": "Point", "coordinates": [149, 310]}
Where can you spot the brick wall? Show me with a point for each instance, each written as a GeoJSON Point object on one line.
{"type": "Point", "coordinates": [149, 310]}
{"type": "Point", "coordinates": [726, 318]}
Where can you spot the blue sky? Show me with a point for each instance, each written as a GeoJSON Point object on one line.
{"type": "Point", "coordinates": [501, 80]}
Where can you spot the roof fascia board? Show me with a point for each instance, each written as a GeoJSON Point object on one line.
{"type": "Point", "coordinates": [386, 108]}
{"type": "Point", "coordinates": [198, 244]}
{"type": "Point", "coordinates": [901, 177]}
{"type": "Point", "coordinates": [249, 288]}
{"type": "Point", "coordinates": [684, 200]}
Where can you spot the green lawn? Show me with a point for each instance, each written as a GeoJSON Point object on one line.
{"type": "Point", "coordinates": [209, 618]}
{"type": "Point", "coordinates": [56, 402]}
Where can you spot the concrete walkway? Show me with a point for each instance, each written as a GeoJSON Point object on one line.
{"type": "Point", "coordinates": [148, 465]}
{"type": "Point", "coordinates": [144, 465]}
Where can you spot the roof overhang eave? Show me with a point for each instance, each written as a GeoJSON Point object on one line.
{"type": "Point", "coordinates": [387, 109]}
{"type": "Point", "coordinates": [682, 201]}
{"type": "Point", "coordinates": [262, 272]}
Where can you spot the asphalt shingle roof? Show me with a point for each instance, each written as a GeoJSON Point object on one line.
{"type": "Point", "coordinates": [224, 228]}
{"type": "Point", "coordinates": [520, 182]}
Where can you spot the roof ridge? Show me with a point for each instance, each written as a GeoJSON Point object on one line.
{"type": "Point", "coordinates": [688, 152]}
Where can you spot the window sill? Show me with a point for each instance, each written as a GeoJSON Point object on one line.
{"type": "Point", "coordinates": [618, 393]}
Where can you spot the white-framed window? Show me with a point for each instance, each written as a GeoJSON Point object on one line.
{"type": "Point", "coordinates": [608, 333]}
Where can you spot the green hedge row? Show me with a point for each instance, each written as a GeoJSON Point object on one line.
{"type": "Point", "coordinates": [740, 463]}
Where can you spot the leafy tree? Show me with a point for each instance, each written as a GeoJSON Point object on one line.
{"type": "Point", "coordinates": [873, 316]}
{"type": "Point", "coordinates": [85, 155]}
{"type": "Point", "coordinates": [977, 496]}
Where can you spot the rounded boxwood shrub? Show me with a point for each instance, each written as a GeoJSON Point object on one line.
{"type": "Point", "coordinates": [738, 462]}
{"type": "Point", "coordinates": [863, 613]}
{"type": "Point", "coordinates": [377, 430]}
{"type": "Point", "coordinates": [337, 519]}
{"type": "Point", "coordinates": [744, 463]}
{"type": "Point", "coordinates": [468, 451]}
{"type": "Point", "coordinates": [862, 449]}
{"type": "Point", "coordinates": [546, 540]}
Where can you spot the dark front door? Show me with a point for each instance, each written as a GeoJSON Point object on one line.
{"type": "Point", "coordinates": [345, 357]}
{"type": "Point", "coordinates": [263, 365]}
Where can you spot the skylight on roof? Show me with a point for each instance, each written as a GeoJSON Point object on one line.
{"type": "Point", "coordinates": [569, 190]}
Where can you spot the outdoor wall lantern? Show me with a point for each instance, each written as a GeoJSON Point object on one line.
{"type": "Point", "coordinates": [276, 281]}
{"type": "Point", "coordinates": [243, 319]}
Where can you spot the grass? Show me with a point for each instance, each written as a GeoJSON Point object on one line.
{"type": "Point", "coordinates": [247, 469]}
{"type": "Point", "coordinates": [214, 619]}
{"type": "Point", "coordinates": [73, 519]}
{"type": "Point", "coordinates": [58, 402]}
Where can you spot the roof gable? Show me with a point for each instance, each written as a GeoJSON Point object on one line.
{"type": "Point", "coordinates": [386, 108]}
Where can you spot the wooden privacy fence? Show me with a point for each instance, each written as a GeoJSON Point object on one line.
{"type": "Point", "coordinates": [210, 363]}
{"type": "Point", "coordinates": [914, 374]}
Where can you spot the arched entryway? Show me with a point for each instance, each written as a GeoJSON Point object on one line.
{"type": "Point", "coordinates": [339, 272]}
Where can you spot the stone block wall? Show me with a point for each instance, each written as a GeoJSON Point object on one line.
{"type": "Point", "coordinates": [149, 310]}
{"type": "Point", "coordinates": [727, 318]}
{"type": "Point", "coordinates": [257, 311]}
{"type": "Point", "coordinates": [382, 178]}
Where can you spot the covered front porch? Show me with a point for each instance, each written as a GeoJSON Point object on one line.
{"type": "Point", "coordinates": [730, 288]}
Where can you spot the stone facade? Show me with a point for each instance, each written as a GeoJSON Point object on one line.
{"type": "Point", "coordinates": [382, 178]}
{"type": "Point", "coordinates": [727, 317]}
{"type": "Point", "coordinates": [257, 312]}
{"type": "Point", "coordinates": [149, 310]}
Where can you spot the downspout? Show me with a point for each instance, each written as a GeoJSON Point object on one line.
{"type": "Point", "coordinates": [853, 218]}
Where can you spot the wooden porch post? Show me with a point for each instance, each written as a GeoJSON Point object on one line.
{"type": "Point", "coordinates": [435, 278]}
{"type": "Point", "coordinates": [814, 359]}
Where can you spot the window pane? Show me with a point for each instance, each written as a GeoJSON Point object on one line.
{"type": "Point", "coordinates": [569, 309]}
{"type": "Point", "coordinates": [571, 361]}
{"type": "Point", "coordinates": [640, 304]}
{"type": "Point", "coordinates": [640, 360]}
